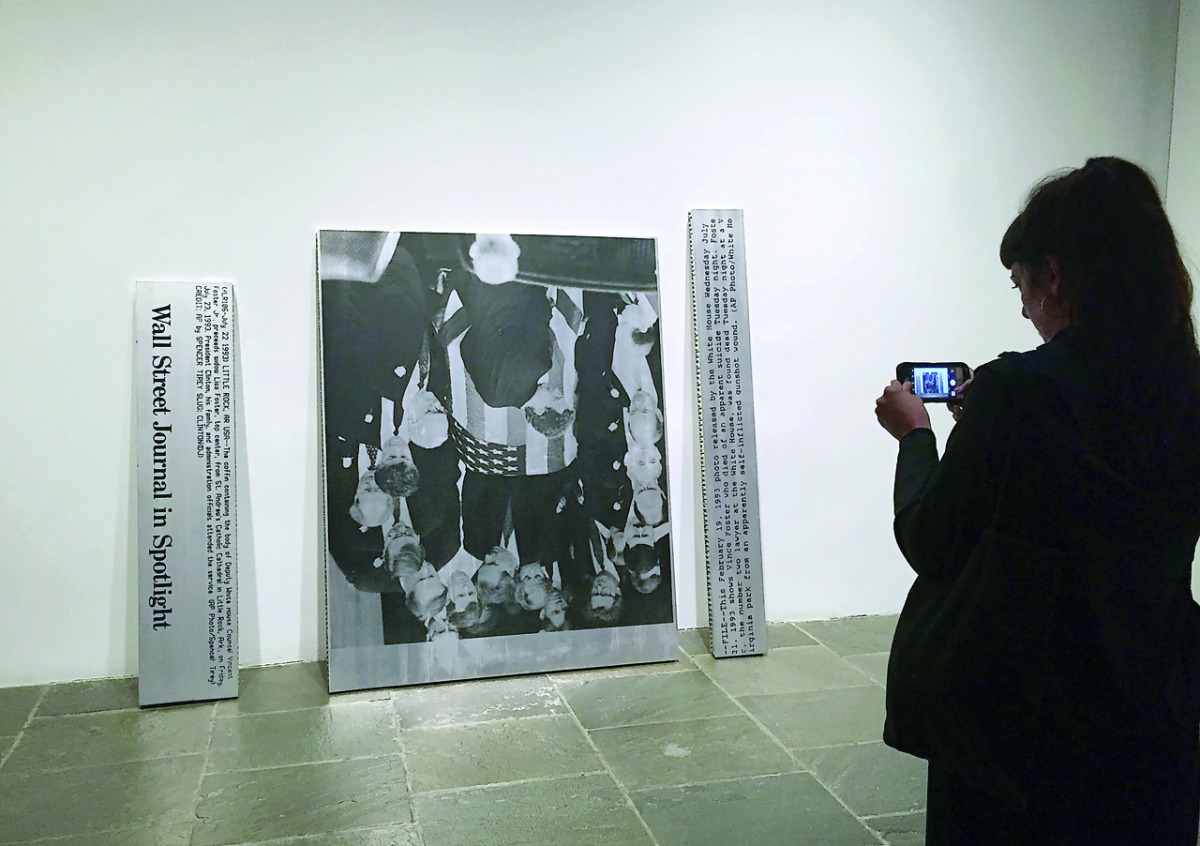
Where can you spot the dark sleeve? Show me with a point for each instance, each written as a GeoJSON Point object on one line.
{"type": "Point", "coordinates": [915, 466]}
{"type": "Point", "coordinates": [942, 508]}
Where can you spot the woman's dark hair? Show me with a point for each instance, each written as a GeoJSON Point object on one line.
{"type": "Point", "coordinates": [1121, 272]}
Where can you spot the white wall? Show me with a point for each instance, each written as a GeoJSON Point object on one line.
{"type": "Point", "coordinates": [1183, 185]}
{"type": "Point", "coordinates": [1183, 181]}
{"type": "Point", "coordinates": [878, 148]}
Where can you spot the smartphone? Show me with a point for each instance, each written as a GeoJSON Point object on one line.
{"type": "Point", "coordinates": [934, 381]}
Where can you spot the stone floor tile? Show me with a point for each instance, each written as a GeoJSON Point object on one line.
{"type": "Point", "coordinates": [85, 697]}
{"type": "Point", "coordinates": [16, 704]}
{"type": "Point", "coordinates": [699, 641]}
{"type": "Point", "coordinates": [821, 717]}
{"type": "Point", "coordinates": [577, 811]}
{"type": "Point", "coordinates": [110, 737]}
{"type": "Point", "coordinates": [900, 829]}
{"type": "Point", "coordinates": [694, 641]}
{"type": "Point", "coordinates": [282, 687]}
{"type": "Point", "coordinates": [870, 778]}
{"type": "Point", "coordinates": [854, 635]}
{"type": "Point", "coordinates": [783, 810]}
{"type": "Point", "coordinates": [784, 670]}
{"type": "Point", "coordinates": [255, 805]}
{"type": "Point", "coordinates": [874, 664]}
{"type": "Point", "coordinates": [404, 834]}
{"type": "Point", "coordinates": [634, 700]}
{"type": "Point", "coordinates": [375, 694]}
{"type": "Point", "coordinates": [489, 753]}
{"type": "Point", "coordinates": [86, 800]}
{"type": "Point", "coordinates": [785, 634]}
{"type": "Point", "coordinates": [678, 665]}
{"type": "Point", "coordinates": [309, 735]}
{"type": "Point", "coordinates": [473, 702]}
{"type": "Point", "coordinates": [178, 834]}
{"type": "Point", "coordinates": [690, 751]}
{"type": "Point", "coordinates": [286, 687]}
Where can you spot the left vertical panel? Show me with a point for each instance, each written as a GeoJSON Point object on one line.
{"type": "Point", "coordinates": [187, 511]}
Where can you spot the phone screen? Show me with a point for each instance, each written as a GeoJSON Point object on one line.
{"type": "Point", "coordinates": [934, 382]}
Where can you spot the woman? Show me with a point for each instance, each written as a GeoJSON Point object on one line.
{"type": "Point", "coordinates": [1047, 662]}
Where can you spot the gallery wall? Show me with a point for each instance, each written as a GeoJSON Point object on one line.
{"type": "Point", "coordinates": [878, 148]}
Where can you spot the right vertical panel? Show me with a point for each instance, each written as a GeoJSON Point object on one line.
{"type": "Point", "coordinates": [725, 396]}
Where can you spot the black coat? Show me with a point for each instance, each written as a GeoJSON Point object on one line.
{"type": "Point", "coordinates": [1053, 465]}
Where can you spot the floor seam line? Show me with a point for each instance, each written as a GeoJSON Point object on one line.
{"type": "Point", "coordinates": [762, 727]}
{"type": "Point", "coordinates": [625, 792]}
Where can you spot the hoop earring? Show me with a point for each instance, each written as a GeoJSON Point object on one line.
{"type": "Point", "coordinates": [1042, 306]}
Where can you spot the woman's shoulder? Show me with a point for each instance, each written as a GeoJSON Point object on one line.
{"type": "Point", "coordinates": [1042, 382]}
{"type": "Point", "coordinates": [1007, 372]}
{"type": "Point", "coordinates": [1006, 365]}
{"type": "Point", "coordinates": [1064, 362]}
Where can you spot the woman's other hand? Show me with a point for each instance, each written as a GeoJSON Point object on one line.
{"type": "Point", "coordinates": [955, 405]}
{"type": "Point", "coordinates": [900, 411]}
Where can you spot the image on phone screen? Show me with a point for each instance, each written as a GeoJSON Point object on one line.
{"type": "Point", "coordinates": [934, 381]}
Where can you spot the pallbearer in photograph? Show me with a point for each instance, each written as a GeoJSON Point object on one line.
{"type": "Point", "coordinates": [187, 524]}
{"type": "Point", "coordinates": [494, 455]}
{"type": "Point", "coordinates": [725, 400]}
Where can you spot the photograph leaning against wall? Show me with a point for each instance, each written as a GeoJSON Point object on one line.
{"type": "Point", "coordinates": [495, 494]}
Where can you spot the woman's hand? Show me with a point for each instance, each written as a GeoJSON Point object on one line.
{"type": "Point", "coordinates": [955, 405]}
{"type": "Point", "coordinates": [900, 411]}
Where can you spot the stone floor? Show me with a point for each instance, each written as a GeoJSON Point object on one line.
{"type": "Point", "coordinates": [782, 749]}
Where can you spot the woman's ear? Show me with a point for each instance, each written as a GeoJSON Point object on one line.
{"type": "Point", "coordinates": [1051, 275]}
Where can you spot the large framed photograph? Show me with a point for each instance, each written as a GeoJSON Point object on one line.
{"type": "Point", "coordinates": [495, 494]}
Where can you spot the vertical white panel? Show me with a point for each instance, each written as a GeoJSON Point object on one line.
{"type": "Point", "coordinates": [187, 509]}
{"type": "Point", "coordinates": [728, 456]}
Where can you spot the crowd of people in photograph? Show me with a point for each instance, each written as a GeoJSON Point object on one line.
{"type": "Point", "coordinates": [494, 431]}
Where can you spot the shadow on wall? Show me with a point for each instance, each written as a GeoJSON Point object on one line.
{"type": "Point", "coordinates": [123, 605]}
{"type": "Point", "coordinates": [249, 642]}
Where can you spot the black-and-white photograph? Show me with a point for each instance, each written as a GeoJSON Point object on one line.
{"type": "Point", "coordinates": [495, 485]}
